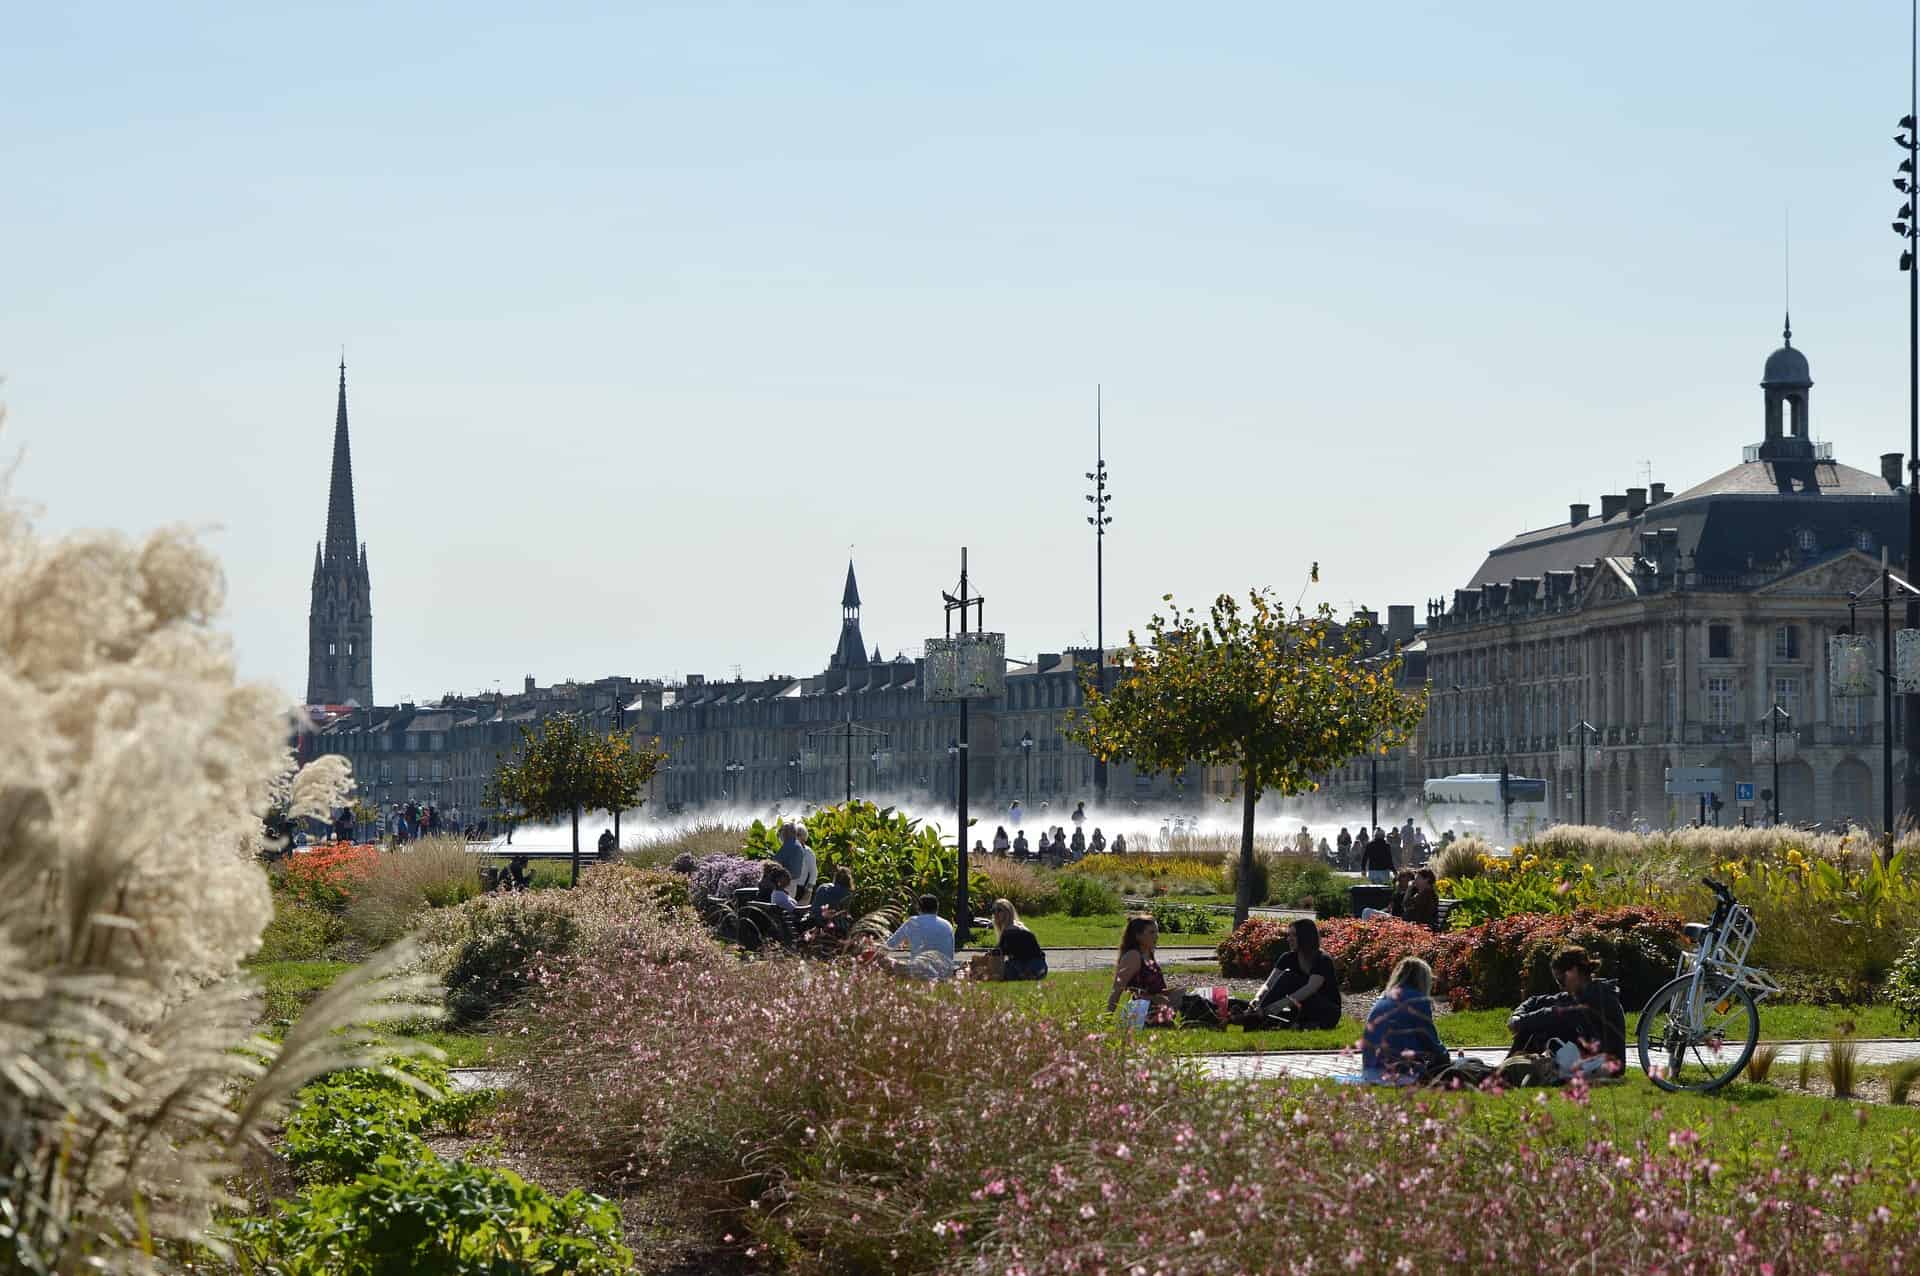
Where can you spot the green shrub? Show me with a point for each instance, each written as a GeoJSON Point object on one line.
{"type": "Point", "coordinates": [1295, 881]}
{"type": "Point", "coordinates": [1261, 877]}
{"type": "Point", "coordinates": [492, 964]}
{"type": "Point", "coordinates": [1084, 896]}
{"type": "Point", "coordinates": [893, 859]}
{"type": "Point", "coordinates": [347, 1120]}
{"type": "Point", "coordinates": [1903, 986]}
{"type": "Point", "coordinates": [298, 932]}
{"type": "Point", "coordinates": [1183, 919]}
{"type": "Point", "coordinates": [430, 1217]}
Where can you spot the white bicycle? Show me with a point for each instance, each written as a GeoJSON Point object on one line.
{"type": "Point", "coordinates": [1700, 1029]}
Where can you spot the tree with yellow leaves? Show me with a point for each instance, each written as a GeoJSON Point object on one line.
{"type": "Point", "coordinates": [564, 769]}
{"type": "Point", "coordinates": [1282, 696]}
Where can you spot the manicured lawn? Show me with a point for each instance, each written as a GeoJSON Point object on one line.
{"type": "Point", "coordinates": [1080, 997]}
{"type": "Point", "coordinates": [1101, 930]}
{"type": "Point", "coordinates": [291, 985]}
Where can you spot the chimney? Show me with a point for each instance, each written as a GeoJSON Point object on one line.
{"type": "Point", "coordinates": [1612, 503]}
{"type": "Point", "coordinates": [1658, 494]}
{"type": "Point", "coordinates": [1890, 468]}
{"type": "Point", "coordinates": [1576, 515]}
{"type": "Point", "coordinates": [1636, 500]}
{"type": "Point", "coordinates": [1400, 622]}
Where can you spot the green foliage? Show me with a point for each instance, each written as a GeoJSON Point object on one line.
{"type": "Point", "coordinates": [1283, 696]}
{"type": "Point", "coordinates": [1296, 881]}
{"type": "Point", "coordinates": [564, 769]}
{"type": "Point", "coordinates": [1182, 919]}
{"type": "Point", "coordinates": [347, 1120]}
{"type": "Point", "coordinates": [427, 1217]}
{"type": "Point", "coordinates": [1084, 896]}
{"type": "Point", "coordinates": [894, 860]}
{"type": "Point", "coordinates": [298, 932]}
{"type": "Point", "coordinates": [491, 966]}
{"type": "Point", "coordinates": [1903, 986]}
{"type": "Point", "coordinates": [1259, 877]}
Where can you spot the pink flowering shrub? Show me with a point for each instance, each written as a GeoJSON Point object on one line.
{"type": "Point", "coordinates": [720, 874]}
{"type": "Point", "coordinates": [827, 1118]}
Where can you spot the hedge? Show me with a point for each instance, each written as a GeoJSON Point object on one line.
{"type": "Point", "coordinates": [1496, 963]}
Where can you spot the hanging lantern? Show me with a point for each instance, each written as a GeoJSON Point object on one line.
{"type": "Point", "coordinates": [1850, 665]}
{"type": "Point", "coordinates": [1764, 745]}
{"type": "Point", "coordinates": [1906, 661]}
{"type": "Point", "coordinates": [1569, 757]}
{"type": "Point", "coordinates": [966, 667]}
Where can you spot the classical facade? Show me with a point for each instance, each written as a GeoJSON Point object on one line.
{"type": "Point", "coordinates": [786, 740]}
{"type": "Point", "coordinates": [1393, 779]}
{"type": "Point", "coordinates": [340, 615]}
{"type": "Point", "coordinates": [1673, 625]}
{"type": "Point", "coordinates": [445, 754]}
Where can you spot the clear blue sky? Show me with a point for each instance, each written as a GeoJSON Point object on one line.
{"type": "Point", "coordinates": [651, 312]}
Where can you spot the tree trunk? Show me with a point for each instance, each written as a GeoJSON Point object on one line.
{"type": "Point", "coordinates": [576, 845]}
{"type": "Point", "coordinates": [1243, 900]}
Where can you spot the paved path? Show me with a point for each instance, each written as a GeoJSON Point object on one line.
{"type": "Point", "coordinates": [1066, 959]}
{"type": "Point", "coordinates": [1333, 1063]}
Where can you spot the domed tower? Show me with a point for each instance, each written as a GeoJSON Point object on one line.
{"type": "Point", "coordinates": [1786, 381]}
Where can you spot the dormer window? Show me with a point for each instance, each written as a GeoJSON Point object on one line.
{"type": "Point", "coordinates": [1863, 540]}
{"type": "Point", "coordinates": [1806, 540]}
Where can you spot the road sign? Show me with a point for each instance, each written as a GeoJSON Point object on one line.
{"type": "Point", "coordinates": [1743, 793]}
{"type": "Point", "coordinates": [1683, 781]}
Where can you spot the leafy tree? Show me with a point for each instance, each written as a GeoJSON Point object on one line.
{"type": "Point", "coordinates": [1283, 696]}
{"type": "Point", "coordinates": [564, 769]}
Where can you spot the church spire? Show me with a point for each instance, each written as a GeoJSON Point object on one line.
{"type": "Point", "coordinates": [850, 596]}
{"type": "Point", "coordinates": [343, 537]}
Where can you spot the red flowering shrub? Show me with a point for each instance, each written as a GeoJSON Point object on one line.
{"type": "Point", "coordinates": [1496, 963]}
{"type": "Point", "coordinates": [325, 876]}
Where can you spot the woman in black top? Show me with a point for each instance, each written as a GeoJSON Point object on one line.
{"type": "Point", "coordinates": [1304, 989]}
{"type": "Point", "coordinates": [1021, 956]}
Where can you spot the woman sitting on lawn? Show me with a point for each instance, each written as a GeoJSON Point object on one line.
{"type": "Point", "coordinates": [1586, 1012]}
{"type": "Point", "coordinates": [1304, 989]}
{"type": "Point", "coordinates": [1400, 1043]}
{"type": "Point", "coordinates": [1137, 974]}
{"type": "Point", "coordinates": [1020, 954]}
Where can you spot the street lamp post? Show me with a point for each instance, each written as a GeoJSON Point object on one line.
{"type": "Point", "coordinates": [1026, 748]}
{"type": "Point", "coordinates": [953, 772]}
{"type": "Point", "coordinates": [1099, 520]}
{"type": "Point", "coordinates": [1907, 226]}
{"type": "Point", "coordinates": [1581, 729]}
{"type": "Point", "coordinates": [1773, 749]}
{"type": "Point", "coordinates": [793, 771]}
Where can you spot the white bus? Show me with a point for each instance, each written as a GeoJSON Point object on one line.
{"type": "Point", "coordinates": [1471, 804]}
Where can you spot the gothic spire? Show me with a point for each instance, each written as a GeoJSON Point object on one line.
{"type": "Point", "coordinates": [850, 596]}
{"type": "Point", "coordinates": [343, 537]}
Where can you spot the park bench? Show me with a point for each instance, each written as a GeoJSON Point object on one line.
{"type": "Point", "coordinates": [1446, 911]}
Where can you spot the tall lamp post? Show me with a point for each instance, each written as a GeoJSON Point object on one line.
{"type": "Point", "coordinates": [1774, 716]}
{"type": "Point", "coordinates": [1026, 748]}
{"type": "Point", "coordinates": [970, 665]}
{"type": "Point", "coordinates": [1583, 729]}
{"type": "Point", "coordinates": [953, 771]}
{"type": "Point", "coordinates": [1099, 519]}
{"type": "Point", "coordinates": [793, 771]}
{"type": "Point", "coordinates": [1906, 227]}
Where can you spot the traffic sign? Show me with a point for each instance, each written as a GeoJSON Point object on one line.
{"type": "Point", "coordinates": [1743, 793]}
{"type": "Point", "coordinates": [1692, 780]}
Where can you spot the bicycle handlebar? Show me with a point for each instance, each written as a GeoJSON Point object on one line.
{"type": "Point", "coordinates": [1720, 889]}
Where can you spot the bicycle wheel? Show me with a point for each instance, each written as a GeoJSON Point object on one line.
{"type": "Point", "coordinates": [1682, 1053]}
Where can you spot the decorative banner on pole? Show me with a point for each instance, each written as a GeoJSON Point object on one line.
{"type": "Point", "coordinates": [1906, 661]}
{"type": "Point", "coordinates": [966, 667]}
{"type": "Point", "coordinates": [1850, 665]}
{"type": "Point", "coordinates": [1763, 747]}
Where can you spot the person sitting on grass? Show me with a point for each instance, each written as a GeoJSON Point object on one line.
{"type": "Point", "coordinates": [1400, 1043]}
{"type": "Point", "coordinates": [1304, 989]}
{"type": "Point", "coordinates": [928, 939]}
{"type": "Point", "coordinates": [1421, 904]}
{"type": "Point", "coordinates": [1136, 975]}
{"type": "Point", "coordinates": [1586, 1011]}
{"type": "Point", "coordinates": [516, 877]}
{"type": "Point", "coordinates": [1020, 954]}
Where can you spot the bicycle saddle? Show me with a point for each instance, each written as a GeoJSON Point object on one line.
{"type": "Point", "coordinates": [1696, 931]}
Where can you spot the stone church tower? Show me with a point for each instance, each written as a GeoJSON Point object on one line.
{"type": "Point", "coordinates": [340, 619]}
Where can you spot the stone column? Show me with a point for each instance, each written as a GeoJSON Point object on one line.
{"type": "Point", "coordinates": [1817, 641]}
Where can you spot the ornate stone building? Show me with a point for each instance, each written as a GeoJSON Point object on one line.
{"type": "Point", "coordinates": [1673, 624]}
{"type": "Point", "coordinates": [784, 739]}
{"type": "Point", "coordinates": [340, 616]}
